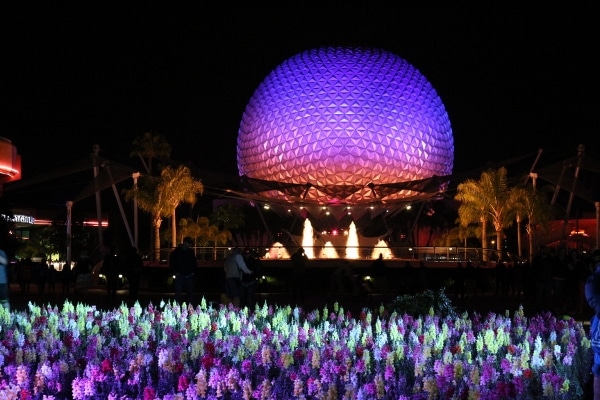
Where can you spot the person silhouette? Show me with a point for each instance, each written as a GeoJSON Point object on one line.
{"type": "Point", "coordinates": [299, 261]}
{"type": "Point", "coordinates": [184, 265]}
{"type": "Point", "coordinates": [4, 284]}
{"type": "Point", "coordinates": [234, 266]}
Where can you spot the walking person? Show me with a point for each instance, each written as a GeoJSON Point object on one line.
{"type": "Point", "coordinates": [423, 277]}
{"type": "Point", "coordinates": [42, 275]}
{"type": "Point", "coordinates": [592, 295]}
{"type": "Point", "coordinates": [66, 277]}
{"type": "Point", "coordinates": [111, 269]}
{"type": "Point", "coordinates": [250, 281]}
{"type": "Point", "coordinates": [235, 266]}
{"type": "Point", "coordinates": [299, 261]}
{"type": "Point", "coordinates": [51, 277]}
{"type": "Point", "coordinates": [4, 283]}
{"type": "Point", "coordinates": [459, 281]}
{"type": "Point", "coordinates": [581, 271]}
{"type": "Point", "coordinates": [82, 273]}
{"type": "Point", "coordinates": [26, 274]}
{"type": "Point", "coordinates": [134, 266]}
{"type": "Point", "coordinates": [183, 264]}
{"type": "Point", "coordinates": [541, 269]}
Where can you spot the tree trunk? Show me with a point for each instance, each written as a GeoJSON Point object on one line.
{"type": "Point", "coordinates": [156, 223]}
{"type": "Point", "coordinates": [484, 244]}
{"type": "Point", "coordinates": [173, 229]}
{"type": "Point", "coordinates": [519, 239]}
{"type": "Point", "coordinates": [499, 239]}
{"type": "Point", "coordinates": [530, 234]}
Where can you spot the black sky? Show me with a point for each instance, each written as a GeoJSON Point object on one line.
{"type": "Point", "coordinates": [513, 79]}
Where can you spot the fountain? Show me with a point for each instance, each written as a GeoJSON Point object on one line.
{"type": "Point", "coordinates": [277, 251]}
{"type": "Point", "coordinates": [352, 244]}
{"type": "Point", "coordinates": [308, 239]}
{"type": "Point", "coordinates": [333, 245]}
{"type": "Point", "coordinates": [329, 251]}
{"type": "Point", "coordinates": [381, 248]}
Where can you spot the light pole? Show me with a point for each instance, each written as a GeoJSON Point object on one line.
{"type": "Point", "coordinates": [597, 204]}
{"type": "Point", "coordinates": [69, 241]}
{"type": "Point", "coordinates": [135, 177]}
{"type": "Point", "coordinates": [96, 150]}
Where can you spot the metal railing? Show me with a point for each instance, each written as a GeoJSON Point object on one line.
{"type": "Point", "coordinates": [428, 253]}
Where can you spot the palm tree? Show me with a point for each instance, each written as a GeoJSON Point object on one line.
{"type": "Point", "coordinates": [147, 197]}
{"type": "Point", "coordinates": [486, 200]}
{"type": "Point", "coordinates": [187, 227]}
{"type": "Point", "coordinates": [213, 234]}
{"type": "Point", "coordinates": [520, 199]}
{"type": "Point", "coordinates": [177, 186]}
{"type": "Point", "coordinates": [148, 147]}
{"type": "Point", "coordinates": [161, 196]}
{"type": "Point", "coordinates": [530, 205]}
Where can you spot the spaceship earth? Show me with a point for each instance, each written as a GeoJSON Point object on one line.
{"type": "Point", "coordinates": [337, 123]}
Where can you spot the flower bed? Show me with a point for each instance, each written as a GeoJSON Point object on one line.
{"type": "Point", "coordinates": [217, 352]}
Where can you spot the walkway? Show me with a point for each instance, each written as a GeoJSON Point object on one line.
{"type": "Point", "coordinates": [483, 303]}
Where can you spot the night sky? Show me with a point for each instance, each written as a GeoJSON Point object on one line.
{"type": "Point", "coordinates": [513, 80]}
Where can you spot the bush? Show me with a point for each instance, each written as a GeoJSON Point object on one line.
{"type": "Point", "coordinates": [422, 304]}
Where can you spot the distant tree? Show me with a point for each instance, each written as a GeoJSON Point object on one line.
{"type": "Point", "coordinates": [228, 216]}
{"type": "Point", "coordinates": [161, 196]}
{"type": "Point", "coordinates": [178, 186]}
{"type": "Point", "coordinates": [41, 243]}
{"type": "Point", "coordinates": [459, 236]}
{"type": "Point", "coordinates": [203, 232]}
{"type": "Point", "coordinates": [148, 147]}
{"type": "Point", "coordinates": [486, 200]}
{"type": "Point", "coordinates": [147, 196]}
{"type": "Point", "coordinates": [186, 227]}
{"type": "Point", "coordinates": [212, 234]}
{"type": "Point", "coordinates": [530, 205]}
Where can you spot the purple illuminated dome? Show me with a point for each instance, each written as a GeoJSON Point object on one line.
{"type": "Point", "coordinates": [344, 126]}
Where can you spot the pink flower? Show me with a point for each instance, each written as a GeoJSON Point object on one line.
{"type": "Point", "coordinates": [106, 366]}
{"type": "Point", "coordinates": [207, 362]}
{"type": "Point", "coordinates": [149, 393]}
{"type": "Point", "coordinates": [183, 383]}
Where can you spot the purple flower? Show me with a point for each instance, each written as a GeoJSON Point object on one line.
{"type": "Point", "coordinates": [246, 367]}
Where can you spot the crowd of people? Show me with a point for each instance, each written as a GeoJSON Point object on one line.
{"type": "Point", "coordinates": [241, 270]}
{"type": "Point", "coordinates": [43, 277]}
{"type": "Point", "coordinates": [554, 280]}
{"type": "Point", "coordinates": [39, 274]}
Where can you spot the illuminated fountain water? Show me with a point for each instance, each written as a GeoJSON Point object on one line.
{"type": "Point", "coordinates": [277, 251]}
{"type": "Point", "coordinates": [308, 241]}
{"type": "Point", "coordinates": [332, 246]}
{"type": "Point", "coordinates": [352, 244]}
{"type": "Point", "coordinates": [382, 248]}
{"type": "Point", "coordinates": [329, 251]}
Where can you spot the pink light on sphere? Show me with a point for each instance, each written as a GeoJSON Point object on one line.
{"type": "Point", "coordinates": [344, 119]}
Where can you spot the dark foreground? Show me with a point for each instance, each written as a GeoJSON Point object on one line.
{"type": "Point", "coordinates": [355, 301]}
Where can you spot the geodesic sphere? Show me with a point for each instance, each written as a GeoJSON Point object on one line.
{"type": "Point", "coordinates": [345, 117]}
